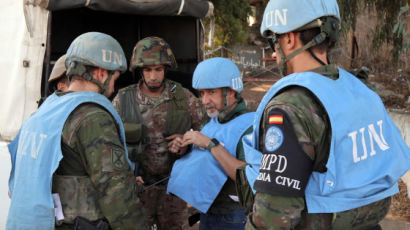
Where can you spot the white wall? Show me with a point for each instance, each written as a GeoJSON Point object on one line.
{"type": "Point", "coordinates": [5, 167]}
{"type": "Point", "coordinates": [20, 86]}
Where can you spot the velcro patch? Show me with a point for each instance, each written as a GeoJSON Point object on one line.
{"type": "Point", "coordinates": [118, 159]}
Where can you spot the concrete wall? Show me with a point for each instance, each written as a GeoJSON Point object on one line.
{"type": "Point", "coordinates": [402, 121]}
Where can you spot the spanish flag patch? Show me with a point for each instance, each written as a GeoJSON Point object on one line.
{"type": "Point", "coordinates": [276, 119]}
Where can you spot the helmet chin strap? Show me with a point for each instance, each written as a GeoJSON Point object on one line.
{"type": "Point", "coordinates": [284, 59]}
{"type": "Point", "coordinates": [80, 70]}
{"type": "Point", "coordinates": [153, 89]}
{"type": "Point", "coordinates": [102, 87]}
{"type": "Point", "coordinates": [227, 108]}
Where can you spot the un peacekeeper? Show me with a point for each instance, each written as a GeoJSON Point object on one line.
{"type": "Point", "coordinates": [205, 177]}
{"type": "Point", "coordinates": [155, 111]}
{"type": "Point", "coordinates": [74, 147]}
{"type": "Point", "coordinates": [324, 153]}
{"type": "Point", "coordinates": [58, 79]}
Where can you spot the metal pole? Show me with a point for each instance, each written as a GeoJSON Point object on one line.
{"type": "Point", "coordinates": [46, 62]}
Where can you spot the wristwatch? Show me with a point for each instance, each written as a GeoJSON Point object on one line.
{"type": "Point", "coordinates": [212, 143]}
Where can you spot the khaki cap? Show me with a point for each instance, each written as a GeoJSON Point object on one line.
{"type": "Point", "coordinates": [58, 69]}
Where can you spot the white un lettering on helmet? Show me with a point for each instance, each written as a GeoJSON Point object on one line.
{"type": "Point", "coordinates": [109, 56]}
{"type": "Point", "coordinates": [237, 83]}
{"type": "Point", "coordinates": [274, 17]}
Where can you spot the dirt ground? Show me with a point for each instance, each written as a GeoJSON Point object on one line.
{"type": "Point", "coordinates": [393, 87]}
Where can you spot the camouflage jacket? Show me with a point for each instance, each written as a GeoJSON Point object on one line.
{"type": "Point", "coordinates": [95, 150]}
{"type": "Point", "coordinates": [157, 161]}
{"type": "Point", "coordinates": [313, 132]}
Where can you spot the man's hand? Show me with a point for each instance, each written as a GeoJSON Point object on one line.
{"type": "Point", "coordinates": [176, 144]}
{"type": "Point", "coordinates": [196, 138]}
{"type": "Point", "coordinates": [139, 180]}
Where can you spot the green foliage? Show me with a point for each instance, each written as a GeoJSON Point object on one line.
{"type": "Point", "coordinates": [348, 12]}
{"type": "Point", "coordinates": [400, 31]}
{"type": "Point", "coordinates": [391, 24]}
{"type": "Point", "coordinates": [231, 26]}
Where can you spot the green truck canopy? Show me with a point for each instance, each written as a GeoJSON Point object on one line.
{"type": "Point", "coordinates": [193, 8]}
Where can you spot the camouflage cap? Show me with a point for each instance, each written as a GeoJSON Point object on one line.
{"type": "Point", "coordinates": [58, 69]}
{"type": "Point", "coordinates": [152, 51]}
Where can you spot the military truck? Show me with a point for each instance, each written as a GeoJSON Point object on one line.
{"type": "Point", "coordinates": [42, 31]}
{"type": "Point", "coordinates": [35, 33]}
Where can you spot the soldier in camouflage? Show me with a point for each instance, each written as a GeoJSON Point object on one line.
{"type": "Point", "coordinates": [78, 151]}
{"type": "Point", "coordinates": [294, 142]}
{"type": "Point", "coordinates": [94, 179]}
{"type": "Point", "coordinates": [155, 111]}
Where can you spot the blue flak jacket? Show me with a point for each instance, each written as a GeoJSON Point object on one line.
{"type": "Point", "coordinates": [197, 178]}
{"type": "Point", "coordinates": [367, 152]}
{"type": "Point", "coordinates": [35, 155]}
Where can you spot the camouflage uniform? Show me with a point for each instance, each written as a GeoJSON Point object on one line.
{"type": "Point", "coordinates": [313, 132]}
{"type": "Point", "coordinates": [92, 150]}
{"type": "Point", "coordinates": [167, 211]}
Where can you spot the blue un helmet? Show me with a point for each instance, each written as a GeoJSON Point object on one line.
{"type": "Point", "coordinates": [283, 16]}
{"type": "Point", "coordinates": [97, 50]}
{"type": "Point", "coordinates": [217, 73]}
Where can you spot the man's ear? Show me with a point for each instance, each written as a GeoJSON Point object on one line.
{"type": "Point", "coordinates": [99, 73]}
{"type": "Point", "coordinates": [291, 42]}
{"type": "Point", "coordinates": [231, 93]}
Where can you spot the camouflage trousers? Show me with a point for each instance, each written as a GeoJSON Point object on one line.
{"type": "Point", "coordinates": [163, 210]}
{"type": "Point", "coordinates": [268, 214]}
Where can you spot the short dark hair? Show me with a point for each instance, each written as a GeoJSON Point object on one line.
{"type": "Point", "coordinates": [307, 36]}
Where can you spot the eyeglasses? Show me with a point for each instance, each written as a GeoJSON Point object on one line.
{"type": "Point", "coordinates": [274, 38]}
{"type": "Point", "coordinates": [271, 44]}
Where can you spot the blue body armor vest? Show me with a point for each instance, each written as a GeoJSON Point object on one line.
{"type": "Point", "coordinates": [367, 152]}
{"type": "Point", "coordinates": [198, 178]}
{"type": "Point", "coordinates": [35, 155]}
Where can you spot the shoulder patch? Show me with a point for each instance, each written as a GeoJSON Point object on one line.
{"type": "Point", "coordinates": [273, 138]}
{"type": "Point", "coordinates": [117, 157]}
{"type": "Point", "coordinates": [276, 119]}
{"type": "Point", "coordinates": [285, 167]}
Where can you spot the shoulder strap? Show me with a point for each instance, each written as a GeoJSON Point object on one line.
{"type": "Point", "coordinates": [178, 117]}
{"type": "Point", "coordinates": [129, 108]}
{"type": "Point", "coordinates": [179, 96]}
